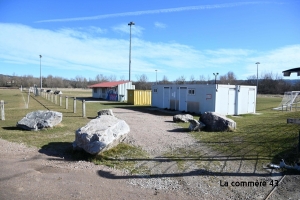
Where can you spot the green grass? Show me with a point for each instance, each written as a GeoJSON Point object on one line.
{"type": "Point", "coordinates": [259, 138]}
{"type": "Point", "coordinates": [123, 156]}
{"type": "Point", "coordinates": [58, 140]}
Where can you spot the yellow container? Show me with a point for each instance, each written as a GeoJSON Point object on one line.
{"type": "Point", "coordinates": [139, 97]}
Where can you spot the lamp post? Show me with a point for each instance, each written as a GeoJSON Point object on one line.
{"type": "Point", "coordinates": [257, 63]}
{"type": "Point", "coordinates": [41, 71]}
{"type": "Point", "coordinates": [156, 75]}
{"type": "Point", "coordinates": [130, 24]}
{"type": "Point", "coordinates": [216, 74]}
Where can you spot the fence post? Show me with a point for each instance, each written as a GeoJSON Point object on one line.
{"type": "Point", "coordinates": [55, 98]}
{"type": "Point", "coordinates": [74, 105]}
{"type": "Point", "coordinates": [60, 100]}
{"type": "Point", "coordinates": [2, 110]}
{"type": "Point", "coordinates": [67, 102]}
{"type": "Point", "coordinates": [52, 97]}
{"type": "Point", "coordinates": [83, 108]}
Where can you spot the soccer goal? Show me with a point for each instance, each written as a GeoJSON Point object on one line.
{"type": "Point", "coordinates": [289, 101]}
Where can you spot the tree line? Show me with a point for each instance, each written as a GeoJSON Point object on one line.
{"type": "Point", "coordinates": [268, 83]}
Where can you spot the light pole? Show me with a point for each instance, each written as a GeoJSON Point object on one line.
{"type": "Point", "coordinates": [130, 24]}
{"type": "Point", "coordinates": [257, 63]}
{"type": "Point", "coordinates": [156, 75]}
{"type": "Point", "coordinates": [216, 74]}
{"type": "Point", "coordinates": [41, 71]}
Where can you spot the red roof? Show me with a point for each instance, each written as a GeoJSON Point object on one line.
{"type": "Point", "coordinates": [108, 84]}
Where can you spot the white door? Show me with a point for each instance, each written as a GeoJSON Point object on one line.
{"type": "Point", "coordinates": [231, 101]}
{"type": "Point", "coordinates": [251, 101]}
{"type": "Point", "coordinates": [182, 98]}
{"type": "Point", "coordinates": [166, 97]}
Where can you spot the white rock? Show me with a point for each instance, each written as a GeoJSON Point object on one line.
{"type": "Point", "coordinates": [182, 118]}
{"type": "Point", "coordinates": [100, 134]}
{"type": "Point", "coordinates": [40, 119]}
{"type": "Point", "coordinates": [216, 122]}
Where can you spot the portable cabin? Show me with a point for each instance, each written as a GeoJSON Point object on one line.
{"type": "Point", "coordinates": [223, 99]}
{"type": "Point", "coordinates": [139, 97]}
{"type": "Point", "coordinates": [112, 91]}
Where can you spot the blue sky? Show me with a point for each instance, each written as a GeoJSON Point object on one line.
{"type": "Point", "coordinates": [189, 38]}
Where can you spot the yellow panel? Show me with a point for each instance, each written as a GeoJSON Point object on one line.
{"type": "Point", "coordinates": [139, 97]}
{"type": "Point", "coordinates": [130, 97]}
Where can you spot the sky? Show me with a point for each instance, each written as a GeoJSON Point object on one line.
{"type": "Point", "coordinates": [190, 38]}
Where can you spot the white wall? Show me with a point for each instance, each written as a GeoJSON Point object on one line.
{"type": "Point", "coordinates": [223, 99]}
{"type": "Point", "coordinates": [122, 90]}
{"type": "Point", "coordinates": [96, 92]}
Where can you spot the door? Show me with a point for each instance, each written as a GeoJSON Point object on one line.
{"type": "Point", "coordinates": [231, 102]}
{"type": "Point", "coordinates": [166, 97]}
{"type": "Point", "coordinates": [182, 99]}
{"type": "Point", "coordinates": [251, 101]}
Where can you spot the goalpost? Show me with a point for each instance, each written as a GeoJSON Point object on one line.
{"type": "Point", "coordinates": [289, 100]}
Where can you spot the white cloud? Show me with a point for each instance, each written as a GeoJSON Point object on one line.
{"type": "Point", "coordinates": [80, 50]}
{"type": "Point", "coordinates": [158, 11]}
{"type": "Point", "coordinates": [160, 25]}
{"type": "Point", "coordinates": [124, 28]}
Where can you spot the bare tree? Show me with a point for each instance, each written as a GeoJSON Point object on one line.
{"type": "Point", "coordinates": [142, 82]}
{"type": "Point", "coordinates": [164, 80]}
{"type": "Point", "coordinates": [192, 79]}
{"type": "Point", "coordinates": [180, 80]}
{"type": "Point", "coordinates": [100, 78]}
{"type": "Point", "coordinates": [112, 78]}
{"type": "Point", "coordinates": [228, 78]}
{"type": "Point", "coordinates": [202, 79]}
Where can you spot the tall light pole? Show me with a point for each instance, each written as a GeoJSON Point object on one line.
{"type": "Point", "coordinates": [257, 63]}
{"type": "Point", "coordinates": [130, 24]}
{"type": "Point", "coordinates": [156, 75]}
{"type": "Point", "coordinates": [41, 71]}
{"type": "Point", "coordinates": [216, 74]}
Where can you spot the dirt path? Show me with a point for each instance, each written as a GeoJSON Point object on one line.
{"type": "Point", "coordinates": [27, 174]}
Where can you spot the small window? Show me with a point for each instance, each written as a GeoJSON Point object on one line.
{"type": "Point", "coordinates": [191, 91]}
{"type": "Point", "coordinates": [95, 90]}
{"type": "Point", "coordinates": [154, 90]}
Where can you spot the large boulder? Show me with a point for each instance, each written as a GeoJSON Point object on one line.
{"type": "Point", "coordinates": [216, 122]}
{"type": "Point", "coordinates": [195, 125]}
{"type": "Point", "coordinates": [182, 118]}
{"type": "Point", "coordinates": [40, 119]}
{"type": "Point", "coordinates": [100, 134]}
{"type": "Point", "coordinates": [105, 112]}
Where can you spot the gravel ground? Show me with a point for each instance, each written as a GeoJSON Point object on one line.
{"type": "Point", "coordinates": [27, 174]}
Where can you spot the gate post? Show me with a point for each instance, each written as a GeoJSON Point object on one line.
{"type": "Point", "coordinates": [2, 110]}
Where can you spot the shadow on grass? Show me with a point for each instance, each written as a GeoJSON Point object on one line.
{"type": "Point", "coordinates": [13, 128]}
{"type": "Point", "coordinates": [176, 130]}
{"type": "Point", "coordinates": [64, 150]}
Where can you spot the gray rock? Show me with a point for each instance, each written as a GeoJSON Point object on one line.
{"type": "Point", "coordinates": [195, 125]}
{"type": "Point", "coordinates": [57, 92]}
{"type": "Point", "coordinates": [216, 122]}
{"type": "Point", "coordinates": [182, 118]}
{"type": "Point", "coordinates": [100, 134]}
{"type": "Point", "coordinates": [105, 112]}
{"type": "Point", "coordinates": [40, 119]}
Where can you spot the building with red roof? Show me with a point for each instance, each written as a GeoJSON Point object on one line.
{"type": "Point", "coordinates": [112, 91]}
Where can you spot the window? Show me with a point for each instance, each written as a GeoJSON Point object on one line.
{"type": "Point", "coordinates": [95, 90]}
{"type": "Point", "coordinates": [154, 90]}
{"type": "Point", "coordinates": [191, 91]}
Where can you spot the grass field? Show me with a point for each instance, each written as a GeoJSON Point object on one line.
{"type": "Point", "coordinates": [264, 137]}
